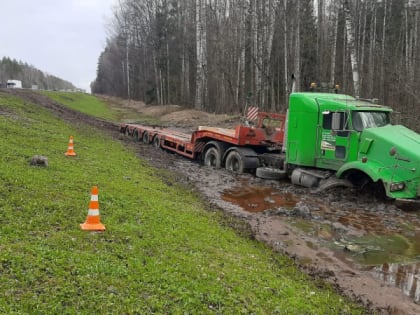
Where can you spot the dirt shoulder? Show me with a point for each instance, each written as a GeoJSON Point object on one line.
{"type": "Point", "coordinates": [292, 220]}
{"type": "Point", "coordinates": [169, 115]}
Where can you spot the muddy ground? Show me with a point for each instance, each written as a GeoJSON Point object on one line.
{"type": "Point", "coordinates": [367, 248]}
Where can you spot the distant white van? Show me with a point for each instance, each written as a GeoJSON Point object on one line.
{"type": "Point", "coordinates": [14, 84]}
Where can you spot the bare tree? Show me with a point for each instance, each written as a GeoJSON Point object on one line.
{"type": "Point", "coordinates": [201, 48]}
{"type": "Point", "coordinates": [351, 47]}
{"type": "Point", "coordinates": [217, 54]}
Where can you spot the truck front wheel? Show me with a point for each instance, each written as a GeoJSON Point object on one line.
{"type": "Point", "coordinates": [235, 163]}
{"type": "Point", "coordinates": [212, 158]}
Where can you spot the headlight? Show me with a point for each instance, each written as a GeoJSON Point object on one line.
{"type": "Point", "coordinates": [396, 186]}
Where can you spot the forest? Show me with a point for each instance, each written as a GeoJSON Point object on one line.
{"type": "Point", "coordinates": [11, 69]}
{"type": "Point", "coordinates": [218, 55]}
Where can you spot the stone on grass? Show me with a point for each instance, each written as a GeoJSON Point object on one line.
{"type": "Point", "coordinates": [39, 160]}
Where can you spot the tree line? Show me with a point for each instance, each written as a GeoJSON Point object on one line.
{"type": "Point", "coordinates": [11, 69]}
{"type": "Point", "coordinates": [217, 55]}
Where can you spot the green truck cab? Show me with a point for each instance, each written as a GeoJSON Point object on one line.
{"type": "Point", "coordinates": [353, 139]}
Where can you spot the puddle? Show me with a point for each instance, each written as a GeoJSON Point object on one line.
{"type": "Point", "coordinates": [312, 228]}
{"type": "Point", "coordinates": [404, 277]}
{"type": "Point", "coordinates": [382, 241]}
{"type": "Point", "coordinates": [258, 198]}
{"type": "Point", "coordinates": [366, 222]}
{"type": "Point", "coordinates": [381, 249]}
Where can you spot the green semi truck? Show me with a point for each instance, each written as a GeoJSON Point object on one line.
{"type": "Point", "coordinates": [353, 139]}
{"type": "Point", "coordinates": [325, 140]}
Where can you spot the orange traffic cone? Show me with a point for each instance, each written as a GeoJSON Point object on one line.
{"type": "Point", "coordinates": [93, 222]}
{"type": "Point", "coordinates": [70, 149]}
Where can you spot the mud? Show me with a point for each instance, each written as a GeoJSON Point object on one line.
{"type": "Point", "coordinates": [316, 230]}
{"type": "Point", "coordinates": [366, 247]}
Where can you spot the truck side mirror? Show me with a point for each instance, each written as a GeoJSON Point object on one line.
{"type": "Point", "coordinates": [336, 121]}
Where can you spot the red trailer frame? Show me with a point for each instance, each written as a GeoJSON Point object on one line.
{"type": "Point", "coordinates": [267, 133]}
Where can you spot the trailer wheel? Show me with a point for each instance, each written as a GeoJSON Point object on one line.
{"type": "Point", "coordinates": [146, 137]}
{"type": "Point", "coordinates": [212, 158]}
{"type": "Point", "coordinates": [235, 163]}
{"type": "Point", "coordinates": [136, 136]}
{"type": "Point", "coordinates": [156, 142]}
{"type": "Point", "coordinates": [270, 173]}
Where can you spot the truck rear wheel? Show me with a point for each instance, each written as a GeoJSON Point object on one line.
{"type": "Point", "coordinates": [270, 173]}
{"type": "Point", "coordinates": [235, 163]}
{"type": "Point", "coordinates": [212, 158]}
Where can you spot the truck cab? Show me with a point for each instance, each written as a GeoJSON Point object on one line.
{"type": "Point", "coordinates": [355, 139]}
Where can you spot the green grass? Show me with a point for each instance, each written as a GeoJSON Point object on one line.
{"type": "Point", "coordinates": [162, 252]}
{"type": "Point", "coordinates": [91, 105]}
{"type": "Point", "coordinates": [84, 103]}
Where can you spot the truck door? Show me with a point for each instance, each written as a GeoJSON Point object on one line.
{"type": "Point", "coordinates": [333, 140]}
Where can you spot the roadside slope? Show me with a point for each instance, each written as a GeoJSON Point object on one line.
{"type": "Point", "coordinates": [161, 253]}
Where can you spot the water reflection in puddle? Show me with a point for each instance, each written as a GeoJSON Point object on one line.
{"type": "Point", "coordinates": [258, 198]}
{"type": "Point", "coordinates": [404, 277]}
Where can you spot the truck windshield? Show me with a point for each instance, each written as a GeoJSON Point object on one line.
{"type": "Point", "coordinates": [363, 119]}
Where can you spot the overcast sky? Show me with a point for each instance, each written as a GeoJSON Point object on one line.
{"type": "Point", "coordinates": [61, 37]}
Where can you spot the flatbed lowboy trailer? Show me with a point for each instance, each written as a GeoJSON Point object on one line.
{"type": "Point", "coordinates": [246, 147]}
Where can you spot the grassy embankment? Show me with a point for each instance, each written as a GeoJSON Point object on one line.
{"type": "Point", "coordinates": [95, 107]}
{"type": "Point", "coordinates": [162, 253]}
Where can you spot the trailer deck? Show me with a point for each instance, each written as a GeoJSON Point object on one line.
{"type": "Point", "coordinates": [267, 132]}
